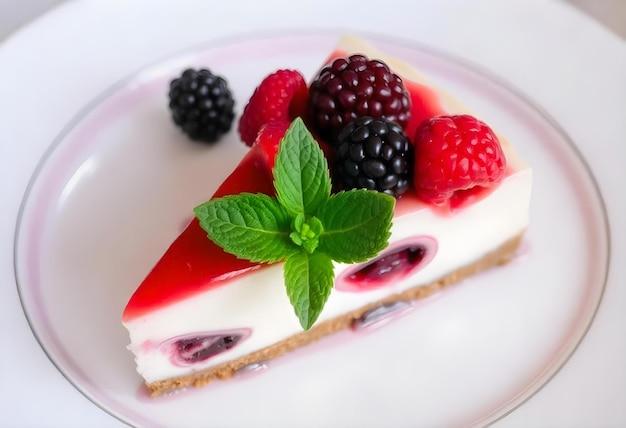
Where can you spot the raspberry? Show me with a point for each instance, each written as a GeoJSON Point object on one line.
{"type": "Point", "coordinates": [353, 87]}
{"type": "Point", "coordinates": [201, 104]}
{"type": "Point", "coordinates": [280, 96]}
{"type": "Point", "coordinates": [454, 154]}
{"type": "Point", "coordinates": [374, 154]}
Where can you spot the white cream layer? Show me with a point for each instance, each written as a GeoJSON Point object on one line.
{"type": "Point", "coordinates": [258, 300]}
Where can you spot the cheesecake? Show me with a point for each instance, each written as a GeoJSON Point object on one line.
{"type": "Point", "coordinates": [203, 314]}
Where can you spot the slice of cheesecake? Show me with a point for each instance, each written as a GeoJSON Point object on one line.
{"type": "Point", "coordinates": [203, 314]}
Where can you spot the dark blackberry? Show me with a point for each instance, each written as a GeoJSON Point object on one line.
{"type": "Point", "coordinates": [374, 154]}
{"type": "Point", "coordinates": [354, 87]}
{"type": "Point", "coordinates": [201, 104]}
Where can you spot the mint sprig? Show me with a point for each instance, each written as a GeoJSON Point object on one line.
{"type": "Point", "coordinates": [304, 226]}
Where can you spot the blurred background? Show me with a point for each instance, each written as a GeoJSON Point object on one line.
{"type": "Point", "coordinates": [15, 13]}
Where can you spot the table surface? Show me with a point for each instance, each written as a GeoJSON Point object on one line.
{"type": "Point", "coordinates": [16, 14]}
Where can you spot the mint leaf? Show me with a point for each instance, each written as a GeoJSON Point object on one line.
{"type": "Point", "coordinates": [356, 225]}
{"type": "Point", "coordinates": [301, 176]}
{"type": "Point", "coordinates": [304, 226]}
{"type": "Point", "coordinates": [309, 279]}
{"type": "Point", "coordinates": [252, 227]}
{"type": "Point", "coordinates": [306, 232]}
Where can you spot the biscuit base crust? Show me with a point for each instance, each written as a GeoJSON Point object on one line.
{"type": "Point", "coordinates": [499, 256]}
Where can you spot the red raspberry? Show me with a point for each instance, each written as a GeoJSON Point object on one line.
{"type": "Point", "coordinates": [454, 154]}
{"type": "Point", "coordinates": [353, 87]}
{"type": "Point", "coordinates": [280, 96]}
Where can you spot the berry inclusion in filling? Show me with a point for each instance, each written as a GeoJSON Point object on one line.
{"type": "Point", "coordinates": [398, 261]}
{"type": "Point", "coordinates": [199, 347]}
{"type": "Point", "coordinates": [386, 268]}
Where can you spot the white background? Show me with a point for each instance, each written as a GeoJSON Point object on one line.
{"type": "Point", "coordinates": [16, 13]}
{"type": "Point", "coordinates": [577, 52]}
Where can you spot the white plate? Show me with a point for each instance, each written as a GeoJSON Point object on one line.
{"type": "Point", "coordinates": [118, 184]}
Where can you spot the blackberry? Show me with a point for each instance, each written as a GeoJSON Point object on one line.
{"type": "Point", "coordinates": [353, 87]}
{"type": "Point", "coordinates": [201, 104]}
{"type": "Point", "coordinates": [374, 154]}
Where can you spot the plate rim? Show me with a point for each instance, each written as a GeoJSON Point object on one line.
{"type": "Point", "coordinates": [267, 35]}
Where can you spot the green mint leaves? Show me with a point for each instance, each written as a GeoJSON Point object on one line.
{"type": "Point", "coordinates": [304, 226]}
{"type": "Point", "coordinates": [301, 174]}
{"type": "Point", "coordinates": [252, 227]}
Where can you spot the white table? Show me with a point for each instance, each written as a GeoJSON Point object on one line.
{"type": "Point", "coordinates": [586, 392]}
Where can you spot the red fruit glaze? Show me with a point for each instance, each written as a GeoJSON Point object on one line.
{"type": "Point", "coordinates": [424, 105]}
{"type": "Point", "coordinates": [269, 138]}
{"type": "Point", "coordinates": [453, 156]}
{"type": "Point", "coordinates": [193, 263]}
{"type": "Point", "coordinates": [280, 96]}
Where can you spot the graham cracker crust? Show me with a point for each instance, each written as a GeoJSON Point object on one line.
{"type": "Point", "coordinates": [499, 256]}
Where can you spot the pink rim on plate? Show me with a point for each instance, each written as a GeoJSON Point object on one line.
{"type": "Point", "coordinates": [117, 185]}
